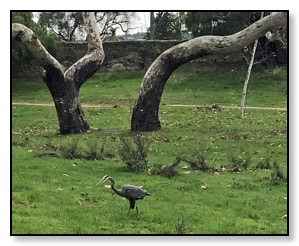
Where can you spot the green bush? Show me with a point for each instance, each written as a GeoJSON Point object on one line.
{"type": "Point", "coordinates": [134, 152]}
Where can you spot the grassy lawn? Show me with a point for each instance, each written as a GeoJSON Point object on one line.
{"type": "Point", "coordinates": [55, 195]}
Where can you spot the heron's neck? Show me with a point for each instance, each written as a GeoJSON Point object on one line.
{"type": "Point", "coordinates": [118, 192]}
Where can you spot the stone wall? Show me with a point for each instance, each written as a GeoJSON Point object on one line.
{"type": "Point", "coordinates": [122, 55]}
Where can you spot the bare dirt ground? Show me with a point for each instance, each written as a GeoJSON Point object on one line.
{"type": "Point", "coordinates": [167, 105]}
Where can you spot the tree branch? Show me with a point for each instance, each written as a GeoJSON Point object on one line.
{"type": "Point", "coordinates": [31, 42]}
{"type": "Point", "coordinates": [145, 112]}
{"type": "Point", "coordinates": [91, 62]}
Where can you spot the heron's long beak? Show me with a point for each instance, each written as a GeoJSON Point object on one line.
{"type": "Point", "coordinates": [101, 181]}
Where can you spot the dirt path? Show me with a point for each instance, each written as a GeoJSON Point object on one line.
{"type": "Point", "coordinates": [86, 105]}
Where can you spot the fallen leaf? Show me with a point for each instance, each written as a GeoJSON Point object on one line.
{"type": "Point", "coordinates": [187, 172]}
{"type": "Point", "coordinates": [65, 174]}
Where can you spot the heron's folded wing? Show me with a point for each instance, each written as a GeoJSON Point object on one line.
{"type": "Point", "coordinates": [134, 192]}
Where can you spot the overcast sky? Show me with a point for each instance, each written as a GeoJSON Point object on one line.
{"type": "Point", "coordinates": [139, 24]}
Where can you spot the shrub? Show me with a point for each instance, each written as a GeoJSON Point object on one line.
{"type": "Point", "coordinates": [70, 150]}
{"type": "Point", "coordinates": [277, 176]}
{"type": "Point", "coordinates": [264, 164]}
{"type": "Point", "coordinates": [236, 164]}
{"type": "Point", "coordinates": [94, 151]}
{"type": "Point", "coordinates": [134, 152]}
{"type": "Point", "coordinates": [197, 161]}
{"type": "Point", "coordinates": [166, 171]}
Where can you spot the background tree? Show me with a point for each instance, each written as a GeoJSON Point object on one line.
{"type": "Point", "coordinates": [69, 25]}
{"type": "Point", "coordinates": [64, 84]}
{"type": "Point", "coordinates": [226, 23]}
{"type": "Point", "coordinates": [152, 25]}
{"type": "Point", "coordinates": [145, 116]}
{"type": "Point", "coordinates": [164, 24]}
{"type": "Point", "coordinates": [66, 25]}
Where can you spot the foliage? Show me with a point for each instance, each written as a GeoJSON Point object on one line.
{"type": "Point", "coordinates": [218, 23]}
{"type": "Point", "coordinates": [66, 25]}
{"type": "Point", "coordinates": [19, 53]}
{"type": "Point", "coordinates": [134, 153]}
{"type": "Point", "coordinates": [69, 26]}
{"type": "Point", "coordinates": [168, 26]}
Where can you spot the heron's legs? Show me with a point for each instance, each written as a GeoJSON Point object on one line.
{"type": "Point", "coordinates": [130, 209]}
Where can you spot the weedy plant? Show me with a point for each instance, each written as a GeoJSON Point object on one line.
{"type": "Point", "coordinates": [197, 161]}
{"type": "Point", "coordinates": [134, 152]}
{"type": "Point", "coordinates": [180, 226]}
{"type": "Point", "coordinates": [237, 164]}
{"type": "Point", "coordinates": [166, 171]}
{"type": "Point", "coordinates": [94, 150]}
{"type": "Point", "coordinates": [71, 149]}
{"type": "Point", "coordinates": [264, 164]}
{"type": "Point", "coordinates": [277, 176]}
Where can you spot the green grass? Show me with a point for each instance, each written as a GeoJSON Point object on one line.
{"type": "Point", "coordinates": [190, 84]}
{"type": "Point", "coordinates": [52, 195]}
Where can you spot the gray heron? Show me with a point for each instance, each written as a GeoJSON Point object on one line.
{"type": "Point", "coordinates": [130, 192]}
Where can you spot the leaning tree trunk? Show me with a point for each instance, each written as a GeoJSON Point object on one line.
{"type": "Point", "coordinates": [64, 84]}
{"type": "Point", "coordinates": [145, 116]}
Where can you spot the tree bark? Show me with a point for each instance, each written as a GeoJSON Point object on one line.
{"type": "Point", "coordinates": [146, 109]}
{"type": "Point", "coordinates": [64, 85]}
{"type": "Point", "coordinates": [152, 25]}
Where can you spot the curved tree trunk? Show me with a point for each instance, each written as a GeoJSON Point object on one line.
{"type": "Point", "coordinates": [145, 112]}
{"type": "Point", "coordinates": [63, 84]}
